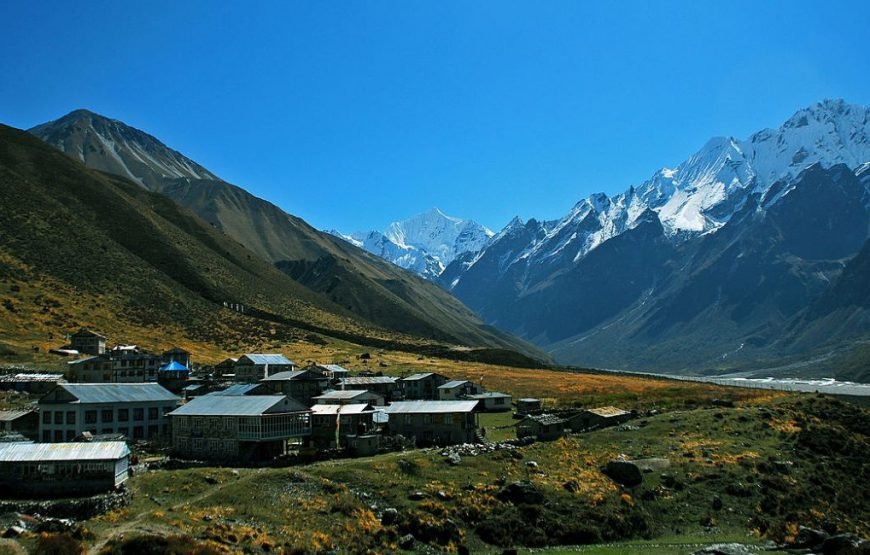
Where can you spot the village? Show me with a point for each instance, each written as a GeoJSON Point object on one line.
{"type": "Point", "coordinates": [87, 428]}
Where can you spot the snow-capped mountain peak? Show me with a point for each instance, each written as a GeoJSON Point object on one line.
{"type": "Point", "coordinates": [425, 243]}
{"type": "Point", "coordinates": [701, 194]}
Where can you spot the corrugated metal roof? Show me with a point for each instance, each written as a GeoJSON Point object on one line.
{"type": "Point", "coordinates": [343, 394]}
{"type": "Point", "coordinates": [334, 368]}
{"type": "Point", "coordinates": [295, 374]}
{"type": "Point", "coordinates": [250, 405]}
{"type": "Point", "coordinates": [237, 390]}
{"type": "Point", "coordinates": [417, 407]}
{"type": "Point", "coordinates": [118, 392]}
{"type": "Point", "coordinates": [31, 377]}
{"type": "Point", "coordinates": [47, 452]}
{"type": "Point", "coordinates": [489, 395]}
{"type": "Point", "coordinates": [367, 380]}
{"type": "Point", "coordinates": [419, 376]}
{"type": "Point", "coordinates": [355, 408]}
{"type": "Point", "coordinates": [453, 383]}
{"type": "Point", "coordinates": [8, 415]}
{"type": "Point", "coordinates": [258, 358]}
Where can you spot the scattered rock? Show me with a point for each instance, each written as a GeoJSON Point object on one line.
{"type": "Point", "coordinates": [417, 495]}
{"type": "Point", "coordinates": [407, 541]}
{"type": "Point", "coordinates": [454, 459]}
{"type": "Point", "coordinates": [624, 472]}
{"type": "Point", "coordinates": [738, 489]}
{"type": "Point", "coordinates": [808, 538]}
{"type": "Point", "coordinates": [725, 549]}
{"type": "Point", "coordinates": [652, 464]}
{"type": "Point", "coordinates": [390, 516]}
{"type": "Point", "coordinates": [572, 485]}
{"type": "Point", "coordinates": [13, 532]}
{"type": "Point", "coordinates": [521, 492]}
{"type": "Point", "coordinates": [211, 480]}
{"type": "Point", "coordinates": [443, 495]}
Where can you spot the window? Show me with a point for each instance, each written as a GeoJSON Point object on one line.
{"type": "Point", "coordinates": [107, 416]}
{"type": "Point", "coordinates": [46, 417]}
{"type": "Point", "coordinates": [46, 436]}
{"type": "Point", "coordinates": [58, 417]}
{"type": "Point", "coordinates": [427, 419]}
{"type": "Point", "coordinates": [58, 435]}
{"type": "Point", "coordinates": [448, 419]}
{"type": "Point", "coordinates": [138, 432]}
{"type": "Point", "coordinates": [70, 435]}
{"type": "Point", "coordinates": [409, 419]}
{"type": "Point", "coordinates": [90, 417]}
{"type": "Point", "coordinates": [197, 444]}
{"type": "Point", "coordinates": [70, 417]}
{"type": "Point", "coordinates": [152, 413]}
{"type": "Point", "coordinates": [138, 414]}
{"type": "Point", "coordinates": [123, 415]}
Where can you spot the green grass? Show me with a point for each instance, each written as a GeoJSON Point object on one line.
{"type": "Point", "coordinates": [797, 460]}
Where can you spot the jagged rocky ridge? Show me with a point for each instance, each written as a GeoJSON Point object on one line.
{"type": "Point", "coordinates": [709, 266]}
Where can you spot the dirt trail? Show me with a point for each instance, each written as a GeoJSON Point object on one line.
{"type": "Point", "coordinates": [139, 524]}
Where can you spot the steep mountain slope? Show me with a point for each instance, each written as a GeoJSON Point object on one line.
{"type": "Point", "coordinates": [425, 243]}
{"type": "Point", "coordinates": [747, 243]}
{"type": "Point", "coordinates": [121, 258]}
{"type": "Point", "coordinates": [341, 274]}
{"type": "Point", "coordinates": [114, 147]}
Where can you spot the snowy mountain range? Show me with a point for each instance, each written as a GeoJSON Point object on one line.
{"type": "Point", "coordinates": [567, 284]}
{"type": "Point", "coordinates": [424, 244]}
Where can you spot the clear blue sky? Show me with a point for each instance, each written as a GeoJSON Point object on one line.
{"type": "Point", "coordinates": [354, 114]}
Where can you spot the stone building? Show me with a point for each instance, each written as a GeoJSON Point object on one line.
{"type": "Point", "coordinates": [253, 367]}
{"type": "Point", "coordinates": [238, 427]}
{"type": "Point", "coordinates": [347, 420]}
{"type": "Point", "coordinates": [88, 342]}
{"type": "Point", "coordinates": [423, 386]}
{"type": "Point", "coordinates": [434, 422]}
{"type": "Point", "coordinates": [302, 385]}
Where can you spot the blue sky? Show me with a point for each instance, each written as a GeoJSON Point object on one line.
{"type": "Point", "coordinates": [355, 114]}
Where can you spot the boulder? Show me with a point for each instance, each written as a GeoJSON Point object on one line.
{"type": "Point", "coordinates": [808, 538]}
{"type": "Point", "coordinates": [407, 542]}
{"type": "Point", "coordinates": [417, 495]}
{"type": "Point", "coordinates": [845, 544]}
{"type": "Point", "coordinates": [572, 485]}
{"type": "Point", "coordinates": [390, 516]}
{"type": "Point", "coordinates": [521, 492]}
{"type": "Point", "coordinates": [624, 472]}
{"type": "Point", "coordinates": [454, 459]}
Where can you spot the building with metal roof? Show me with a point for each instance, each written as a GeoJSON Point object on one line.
{"type": "Point", "coordinates": [58, 469]}
{"type": "Point", "coordinates": [30, 382]}
{"type": "Point", "coordinates": [24, 422]}
{"type": "Point", "coordinates": [386, 386]}
{"type": "Point", "coordinates": [493, 401]}
{"type": "Point", "coordinates": [88, 341]}
{"type": "Point", "coordinates": [302, 385]}
{"type": "Point", "coordinates": [457, 389]}
{"type": "Point", "coordinates": [334, 371]}
{"type": "Point", "coordinates": [136, 410]}
{"type": "Point", "coordinates": [348, 397]}
{"type": "Point", "coordinates": [434, 422]}
{"type": "Point", "coordinates": [332, 424]}
{"type": "Point", "coordinates": [253, 367]}
{"type": "Point", "coordinates": [238, 389]}
{"type": "Point", "coordinates": [239, 427]}
{"type": "Point", "coordinates": [422, 386]}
